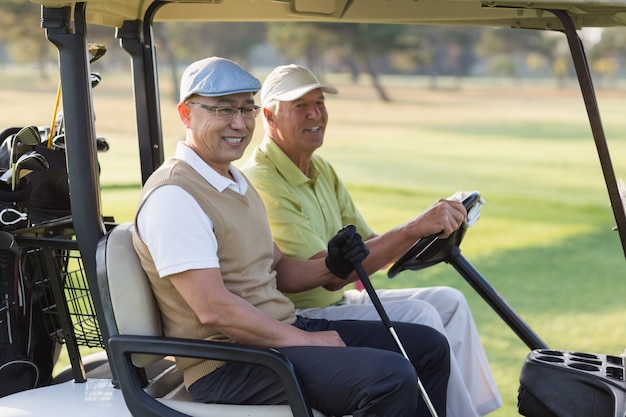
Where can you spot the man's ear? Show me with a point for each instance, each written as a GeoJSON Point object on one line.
{"type": "Point", "coordinates": [268, 115]}
{"type": "Point", "coordinates": [184, 114]}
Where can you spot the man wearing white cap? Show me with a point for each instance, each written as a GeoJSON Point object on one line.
{"type": "Point", "coordinates": [307, 203]}
{"type": "Point", "coordinates": [202, 236]}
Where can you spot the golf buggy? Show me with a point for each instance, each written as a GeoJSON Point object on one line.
{"type": "Point", "coordinates": [91, 291]}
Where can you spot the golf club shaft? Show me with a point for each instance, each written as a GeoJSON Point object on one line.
{"type": "Point", "coordinates": [54, 116]}
{"type": "Point", "coordinates": [385, 319]}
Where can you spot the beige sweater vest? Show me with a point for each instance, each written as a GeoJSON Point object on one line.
{"type": "Point", "coordinates": [245, 251]}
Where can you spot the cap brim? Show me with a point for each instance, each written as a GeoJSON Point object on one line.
{"type": "Point", "coordinates": [225, 92]}
{"type": "Point", "coordinates": [295, 94]}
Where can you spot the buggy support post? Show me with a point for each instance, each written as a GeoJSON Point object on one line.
{"type": "Point", "coordinates": [385, 319]}
{"type": "Point", "coordinates": [80, 136]}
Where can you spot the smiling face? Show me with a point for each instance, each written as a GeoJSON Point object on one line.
{"type": "Point", "coordinates": [298, 126]}
{"type": "Point", "coordinates": [217, 141]}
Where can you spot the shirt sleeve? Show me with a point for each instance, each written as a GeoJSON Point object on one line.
{"type": "Point", "coordinates": [303, 218]}
{"type": "Point", "coordinates": [291, 227]}
{"type": "Point", "coordinates": [178, 233]}
{"type": "Point", "coordinates": [349, 212]}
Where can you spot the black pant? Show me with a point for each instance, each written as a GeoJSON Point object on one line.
{"type": "Point", "coordinates": [369, 377]}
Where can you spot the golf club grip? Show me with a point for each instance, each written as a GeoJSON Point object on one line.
{"type": "Point", "coordinates": [358, 267]}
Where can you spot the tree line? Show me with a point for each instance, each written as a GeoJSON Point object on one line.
{"type": "Point", "coordinates": [356, 49]}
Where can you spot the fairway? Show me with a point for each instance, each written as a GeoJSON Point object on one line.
{"type": "Point", "coordinates": [544, 240]}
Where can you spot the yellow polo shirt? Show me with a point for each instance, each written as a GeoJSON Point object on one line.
{"type": "Point", "coordinates": [304, 212]}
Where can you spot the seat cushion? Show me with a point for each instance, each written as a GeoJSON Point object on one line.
{"type": "Point", "coordinates": [133, 303]}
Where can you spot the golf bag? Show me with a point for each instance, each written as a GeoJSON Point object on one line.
{"type": "Point", "coordinates": [14, 204]}
{"type": "Point", "coordinates": [555, 383]}
{"type": "Point", "coordinates": [50, 198]}
{"type": "Point", "coordinates": [28, 349]}
{"type": "Point", "coordinates": [40, 196]}
{"type": "Point", "coordinates": [17, 371]}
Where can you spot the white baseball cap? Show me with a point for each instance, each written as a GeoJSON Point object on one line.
{"type": "Point", "coordinates": [290, 82]}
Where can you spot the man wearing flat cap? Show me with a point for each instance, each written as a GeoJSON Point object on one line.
{"type": "Point", "coordinates": [307, 203]}
{"type": "Point", "coordinates": [202, 235]}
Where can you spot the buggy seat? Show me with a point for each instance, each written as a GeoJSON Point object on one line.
{"type": "Point", "coordinates": [136, 341]}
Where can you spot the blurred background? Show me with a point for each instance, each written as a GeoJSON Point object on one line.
{"type": "Point", "coordinates": [360, 50]}
{"type": "Point", "coordinates": [423, 112]}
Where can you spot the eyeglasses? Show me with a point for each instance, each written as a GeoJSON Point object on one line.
{"type": "Point", "coordinates": [229, 112]}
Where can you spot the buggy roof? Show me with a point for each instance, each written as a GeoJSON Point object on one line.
{"type": "Point", "coordinates": [506, 13]}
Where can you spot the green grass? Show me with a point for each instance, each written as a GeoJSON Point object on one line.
{"type": "Point", "coordinates": [544, 240]}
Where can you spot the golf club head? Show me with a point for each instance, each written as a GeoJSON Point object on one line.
{"type": "Point", "coordinates": [44, 132]}
{"type": "Point", "coordinates": [28, 135]}
{"type": "Point", "coordinates": [7, 146]}
{"type": "Point", "coordinates": [102, 145]}
{"type": "Point", "coordinates": [8, 244]}
{"type": "Point", "coordinates": [59, 123]}
{"type": "Point", "coordinates": [6, 176]}
{"type": "Point", "coordinates": [21, 149]}
{"type": "Point", "coordinates": [33, 161]}
{"type": "Point", "coordinates": [95, 79]}
{"type": "Point", "coordinates": [58, 142]}
{"type": "Point", "coordinates": [22, 173]}
{"type": "Point", "coordinates": [96, 51]}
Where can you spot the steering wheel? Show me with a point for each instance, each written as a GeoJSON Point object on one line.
{"type": "Point", "coordinates": [431, 250]}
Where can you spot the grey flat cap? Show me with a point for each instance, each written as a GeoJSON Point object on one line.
{"type": "Point", "coordinates": [215, 77]}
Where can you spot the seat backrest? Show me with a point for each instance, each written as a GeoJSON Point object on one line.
{"type": "Point", "coordinates": [131, 309]}
{"type": "Point", "coordinates": [128, 302]}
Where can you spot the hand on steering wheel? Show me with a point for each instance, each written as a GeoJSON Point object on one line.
{"type": "Point", "coordinates": [431, 250]}
{"type": "Point", "coordinates": [473, 208]}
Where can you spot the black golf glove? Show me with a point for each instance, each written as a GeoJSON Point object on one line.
{"type": "Point", "coordinates": [345, 249]}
